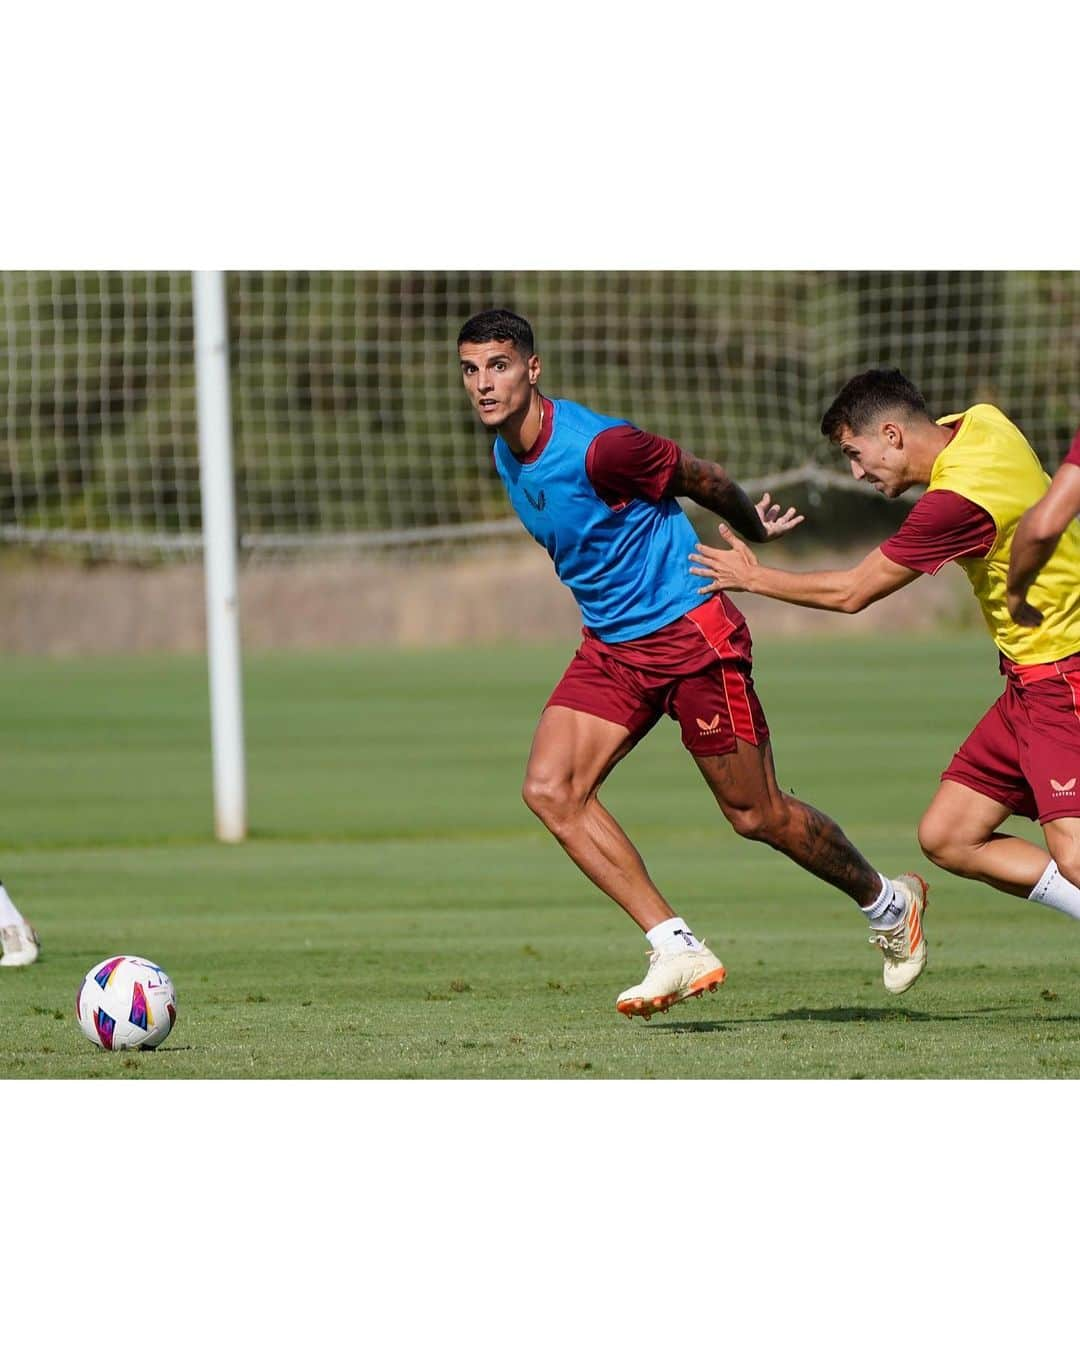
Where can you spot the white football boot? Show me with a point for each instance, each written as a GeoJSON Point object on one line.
{"type": "Point", "coordinates": [904, 947]}
{"type": "Point", "coordinates": [673, 974]}
{"type": "Point", "coordinates": [20, 943]}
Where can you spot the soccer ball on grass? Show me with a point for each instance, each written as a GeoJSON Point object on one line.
{"type": "Point", "coordinates": [126, 1003]}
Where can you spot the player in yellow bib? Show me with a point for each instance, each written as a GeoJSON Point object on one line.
{"type": "Point", "coordinates": [1023, 757]}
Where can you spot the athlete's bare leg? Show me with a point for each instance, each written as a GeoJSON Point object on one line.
{"type": "Point", "coordinates": [960, 833]}
{"type": "Point", "coordinates": [572, 753]}
{"type": "Point", "coordinates": [744, 784]}
{"type": "Point", "coordinates": [1063, 840]}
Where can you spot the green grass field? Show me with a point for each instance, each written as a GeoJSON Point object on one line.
{"type": "Point", "coordinates": [398, 913]}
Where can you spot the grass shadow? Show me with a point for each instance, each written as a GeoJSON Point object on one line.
{"type": "Point", "coordinates": [844, 1014]}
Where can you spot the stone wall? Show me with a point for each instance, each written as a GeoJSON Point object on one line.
{"type": "Point", "coordinates": [505, 594]}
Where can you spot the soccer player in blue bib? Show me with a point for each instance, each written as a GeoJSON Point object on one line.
{"type": "Point", "coordinates": [600, 495]}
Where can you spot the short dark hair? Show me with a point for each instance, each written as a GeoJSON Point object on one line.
{"type": "Point", "coordinates": [869, 396]}
{"type": "Point", "coordinates": [499, 325]}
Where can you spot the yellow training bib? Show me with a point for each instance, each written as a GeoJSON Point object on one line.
{"type": "Point", "coordinates": [990, 463]}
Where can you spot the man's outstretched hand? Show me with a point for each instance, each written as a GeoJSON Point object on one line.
{"type": "Point", "coordinates": [728, 569]}
{"type": "Point", "coordinates": [774, 522]}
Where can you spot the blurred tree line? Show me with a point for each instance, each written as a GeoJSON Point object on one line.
{"type": "Point", "coordinates": [347, 403]}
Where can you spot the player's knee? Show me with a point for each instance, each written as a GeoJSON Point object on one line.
{"type": "Point", "coordinates": [1066, 854]}
{"type": "Point", "coordinates": [549, 798]}
{"type": "Point", "coordinates": [539, 795]}
{"type": "Point", "coordinates": [945, 847]}
{"type": "Point", "coordinates": [764, 822]}
{"type": "Point", "coordinates": [934, 841]}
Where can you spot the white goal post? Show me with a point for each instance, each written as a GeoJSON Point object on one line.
{"type": "Point", "coordinates": [219, 554]}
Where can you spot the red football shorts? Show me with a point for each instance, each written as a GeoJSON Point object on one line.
{"type": "Point", "coordinates": [1025, 752]}
{"type": "Point", "coordinates": [697, 670]}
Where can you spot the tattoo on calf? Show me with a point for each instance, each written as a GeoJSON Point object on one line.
{"type": "Point", "coordinates": [821, 846]}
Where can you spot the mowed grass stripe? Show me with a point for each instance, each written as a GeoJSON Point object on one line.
{"type": "Point", "coordinates": [398, 912]}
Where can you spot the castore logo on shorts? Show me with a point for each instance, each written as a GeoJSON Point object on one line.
{"type": "Point", "coordinates": [1062, 789]}
{"type": "Point", "coordinates": [714, 725]}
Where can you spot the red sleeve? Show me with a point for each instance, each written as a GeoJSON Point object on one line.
{"type": "Point", "coordinates": [624, 462]}
{"type": "Point", "coordinates": [1073, 457]}
{"type": "Point", "coordinates": [941, 526]}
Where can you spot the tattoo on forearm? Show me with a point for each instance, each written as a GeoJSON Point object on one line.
{"type": "Point", "coordinates": [710, 486]}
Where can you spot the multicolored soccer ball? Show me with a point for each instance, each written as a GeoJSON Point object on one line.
{"type": "Point", "coordinates": [126, 1003]}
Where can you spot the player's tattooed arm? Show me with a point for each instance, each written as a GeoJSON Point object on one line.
{"type": "Point", "coordinates": [711, 486]}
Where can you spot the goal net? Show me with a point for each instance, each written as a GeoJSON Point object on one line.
{"type": "Point", "coordinates": [351, 428]}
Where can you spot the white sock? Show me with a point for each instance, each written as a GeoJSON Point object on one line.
{"type": "Point", "coordinates": [673, 932]}
{"type": "Point", "coordinates": [1054, 890]}
{"type": "Point", "coordinates": [888, 909]}
{"type": "Point", "coordinates": [9, 915]}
